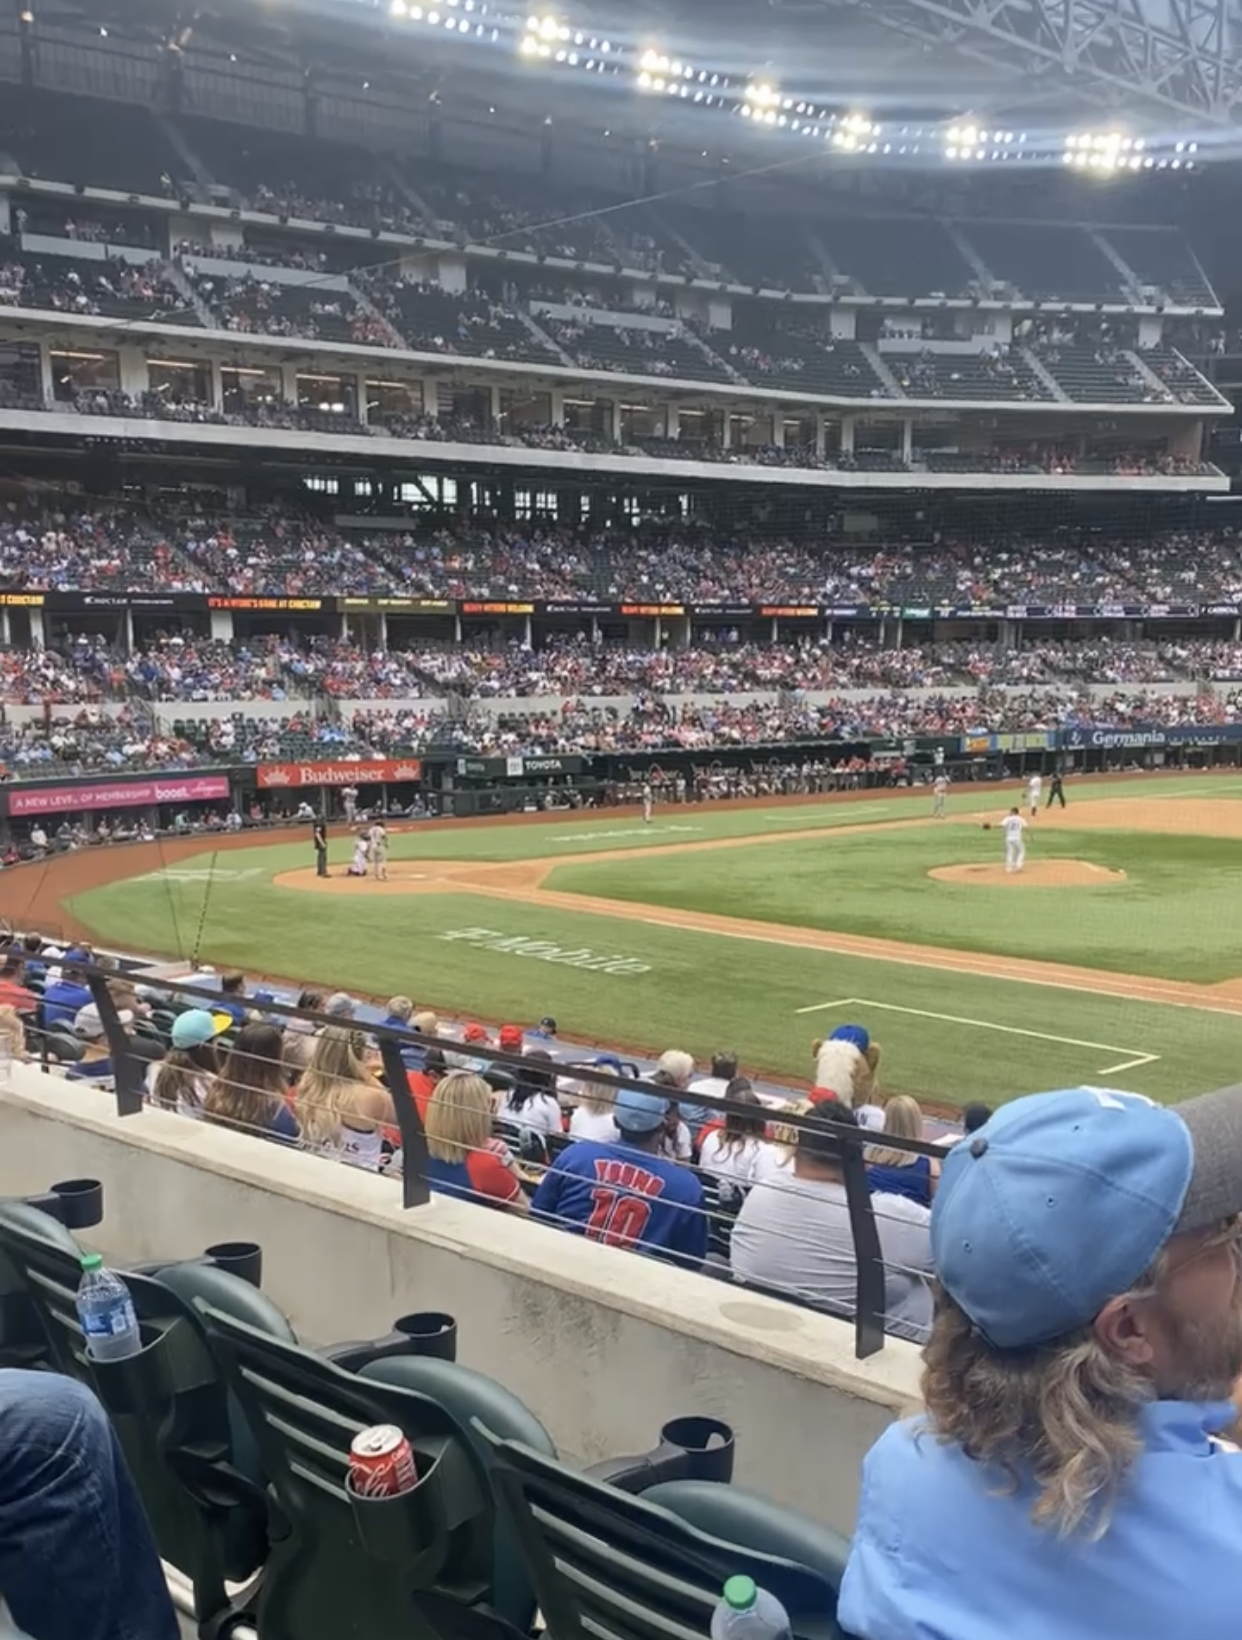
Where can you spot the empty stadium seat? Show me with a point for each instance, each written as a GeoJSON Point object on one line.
{"type": "Point", "coordinates": [610, 1566]}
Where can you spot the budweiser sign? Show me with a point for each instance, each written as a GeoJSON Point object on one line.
{"type": "Point", "coordinates": [383, 771]}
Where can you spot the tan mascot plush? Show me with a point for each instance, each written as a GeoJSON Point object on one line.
{"type": "Point", "coordinates": [846, 1068]}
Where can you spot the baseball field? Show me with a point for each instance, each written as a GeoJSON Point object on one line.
{"type": "Point", "coordinates": [1115, 957]}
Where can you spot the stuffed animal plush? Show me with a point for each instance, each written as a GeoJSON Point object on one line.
{"type": "Point", "coordinates": [846, 1067]}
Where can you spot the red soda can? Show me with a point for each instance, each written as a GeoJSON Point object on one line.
{"type": "Point", "coordinates": [381, 1462]}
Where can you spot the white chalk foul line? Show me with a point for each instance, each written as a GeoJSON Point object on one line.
{"type": "Point", "coordinates": [1135, 1059]}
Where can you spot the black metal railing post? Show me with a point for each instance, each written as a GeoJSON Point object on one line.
{"type": "Point", "coordinates": [127, 1068]}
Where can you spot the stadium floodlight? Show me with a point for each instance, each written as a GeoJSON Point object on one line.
{"type": "Point", "coordinates": [543, 37]}
{"type": "Point", "coordinates": [762, 94]}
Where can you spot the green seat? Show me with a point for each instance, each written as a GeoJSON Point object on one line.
{"type": "Point", "coordinates": [473, 1399]}
{"type": "Point", "coordinates": [187, 1444]}
{"type": "Point", "coordinates": [342, 1565]}
{"type": "Point", "coordinates": [610, 1566]}
{"type": "Point", "coordinates": [740, 1516]}
{"type": "Point", "coordinates": [26, 1340]}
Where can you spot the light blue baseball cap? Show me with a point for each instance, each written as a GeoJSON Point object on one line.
{"type": "Point", "coordinates": [636, 1112]}
{"type": "Point", "coordinates": [1062, 1200]}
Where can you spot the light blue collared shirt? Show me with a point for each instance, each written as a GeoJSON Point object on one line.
{"type": "Point", "coordinates": [940, 1553]}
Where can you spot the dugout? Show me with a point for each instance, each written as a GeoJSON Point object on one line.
{"type": "Point", "coordinates": [465, 786]}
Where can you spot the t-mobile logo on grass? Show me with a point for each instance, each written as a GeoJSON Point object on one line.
{"type": "Point", "coordinates": [517, 945]}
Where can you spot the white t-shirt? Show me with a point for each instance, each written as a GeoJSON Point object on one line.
{"type": "Point", "coordinates": [1013, 825]}
{"type": "Point", "coordinates": [189, 1101]}
{"type": "Point", "coordinates": [541, 1113]}
{"type": "Point", "coordinates": [741, 1162]}
{"type": "Point", "coordinates": [870, 1117]}
{"type": "Point", "coordinates": [680, 1147]}
{"type": "Point", "coordinates": [1034, 785]}
{"type": "Point", "coordinates": [356, 1148]}
{"type": "Point", "coordinates": [593, 1124]}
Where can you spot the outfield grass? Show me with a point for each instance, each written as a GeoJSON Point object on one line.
{"type": "Point", "coordinates": [1175, 916]}
{"type": "Point", "coordinates": [700, 991]}
{"type": "Point", "coordinates": [947, 1036]}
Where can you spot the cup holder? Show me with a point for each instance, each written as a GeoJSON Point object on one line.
{"type": "Point", "coordinates": [239, 1258]}
{"type": "Point", "coordinates": [430, 1332]}
{"type": "Point", "coordinates": [708, 1444]}
{"type": "Point", "coordinates": [77, 1203]}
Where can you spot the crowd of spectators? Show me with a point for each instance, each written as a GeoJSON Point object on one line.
{"type": "Point", "coordinates": [104, 544]}
{"type": "Point", "coordinates": [185, 667]}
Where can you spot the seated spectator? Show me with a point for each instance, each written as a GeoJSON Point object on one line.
{"type": "Point", "coordinates": [96, 1063]}
{"type": "Point", "coordinates": [531, 1102]}
{"type": "Point", "coordinates": [77, 1561]}
{"type": "Point", "coordinates": [724, 1070]}
{"type": "Point", "coordinates": [974, 1115]}
{"type": "Point", "coordinates": [895, 1172]}
{"type": "Point", "coordinates": [465, 1159]}
{"type": "Point", "coordinates": [299, 1035]}
{"type": "Point", "coordinates": [249, 1093]}
{"type": "Point", "coordinates": [591, 1117]}
{"type": "Point", "coordinates": [12, 1033]}
{"type": "Point", "coordinates": [340, 1108]}
{"type": "Point", "coordinates": [1087, 1339]}
{"type": "Point", "coordinates": [232, 997]}
{"type": "Point", "coordinates": [400, 1012]}
{"type": "Point", "coordinates": [794, 1234]}
{"type": "Point", "coordinates": [13, 994]}
{"type": "Point", "coordinates": [422, 1082]}
{"type": "Point", "coordinates": [678, 1067]}
{"type": "Point", "coordinates": [183, 1079]}
{"type": "Point", "coordinates": [677, 1142]}
{"type": "Point", "coordinates": [65, 997]}
{"type": "Point", "coordinates": [737, 1151]}
{"type": "Point", "coordinates": [626, 1194]}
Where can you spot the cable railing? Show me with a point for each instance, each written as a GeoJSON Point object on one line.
{"type": "Point", "coordinates": [478, 1127]}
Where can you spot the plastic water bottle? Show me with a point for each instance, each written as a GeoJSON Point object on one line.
{"type": "Point", "coordinates": [106, 1312]}
{"type": "Point", "coordinates": [747, 1612]}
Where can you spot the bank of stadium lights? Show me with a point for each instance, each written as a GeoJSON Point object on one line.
{"type": "Point", "coordinates": [970, 143]}
{"type": "Point", "coordinates": [1109, 153]}
{"type": "Point", "coordinates": [550, 39]}
{"type": "Point", "coordinates": [661, 75]}
{"type": "Point", "coordinates": [471, 18]}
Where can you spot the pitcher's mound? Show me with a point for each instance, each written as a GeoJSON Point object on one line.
{"type": "Point", "coordinates": [1034, 874]}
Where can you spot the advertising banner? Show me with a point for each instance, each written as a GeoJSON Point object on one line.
{"type": "Point", "coordinates": [119, 794]}
{"type": "Point", "coordinates": [304, 604]}
{"type": "Point", "coordinates": [401, 606]}
{"type": "Point", "coordinates": [294, 776]}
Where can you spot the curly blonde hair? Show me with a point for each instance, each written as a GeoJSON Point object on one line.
{"type": "Point", "coordinates": [1064, 1413]}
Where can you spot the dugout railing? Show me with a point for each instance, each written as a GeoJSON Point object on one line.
{"type": "Point", "coordinates": [867, 1314]}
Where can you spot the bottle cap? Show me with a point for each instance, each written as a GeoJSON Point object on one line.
{"type": "Point", "coordinates": [92, 1261]}
{"type": "Point", "coordinates": [740, 1593]}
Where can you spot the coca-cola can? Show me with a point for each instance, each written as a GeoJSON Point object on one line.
{"type": "Point", "coordinates": [381, 1462]}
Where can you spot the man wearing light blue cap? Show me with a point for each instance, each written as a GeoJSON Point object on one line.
{"type": "Point", "coordinates": [1069, 1480]}
{"type": "Point", "coordinates": [624, 1192]}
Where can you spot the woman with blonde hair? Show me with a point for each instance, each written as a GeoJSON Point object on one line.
{"type": "Point", "coordinates": [895, 1172]}
{"type": "Point", "coordinates": [249, 1093]}
{"type": "Point", "coordinates": [593, 1102]}
{"type": "Point", "coordinates": [341, 1108]}
{"type": "Point", "coordinates": [12, 1032]}
{"type": "Point", "coordinates": [464, 1158]}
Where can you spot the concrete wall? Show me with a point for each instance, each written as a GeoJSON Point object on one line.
{"type": "Point", "coordinates": [602, 1345]}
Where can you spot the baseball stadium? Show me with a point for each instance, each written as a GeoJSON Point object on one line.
{"type": "Point", "coordinates": [620, 820]}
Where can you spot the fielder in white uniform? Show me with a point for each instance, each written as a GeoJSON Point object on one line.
{"type": "Point", "coordinates": [1013, 825]}
{"type": "Point", "coordinates": [1034, 787]}
{"type": "Point", "coordinates": [940, 790]}
{"type": "Point", "coordinates": [647, 798]}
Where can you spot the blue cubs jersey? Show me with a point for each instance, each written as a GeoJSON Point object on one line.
{"type": "Point", "coordinates": [625, 1197]}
